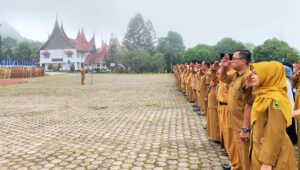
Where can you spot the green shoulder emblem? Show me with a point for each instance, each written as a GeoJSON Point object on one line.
{"type": "Point", "coordinates": [275, 105]}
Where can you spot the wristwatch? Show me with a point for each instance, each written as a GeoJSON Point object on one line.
{"type": "Point", "coordinates": [245, 130]}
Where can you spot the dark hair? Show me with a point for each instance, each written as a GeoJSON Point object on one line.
{"type": "Point", "coordinates": [207, 63]}
{"type": "Point", "coordinates": [245, 54]}
{"type": "Point", "coordinates": [289, 64]}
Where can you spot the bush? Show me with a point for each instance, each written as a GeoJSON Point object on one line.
{"type": "Point", "coordinates": [50, 67]}
{"type": "Point", "coordinates": [72, 68]}
{"type": "Point", "coordinates": [59, 67]}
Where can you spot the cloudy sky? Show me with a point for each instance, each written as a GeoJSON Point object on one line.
{"type": "Point", "coordinates": [198, 21]}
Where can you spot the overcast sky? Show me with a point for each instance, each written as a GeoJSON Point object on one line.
{"type": "Point", "coordinates": [198, 21]}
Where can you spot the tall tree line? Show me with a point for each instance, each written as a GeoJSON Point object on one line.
{"type": "Point", "coordinates": [11, 49]}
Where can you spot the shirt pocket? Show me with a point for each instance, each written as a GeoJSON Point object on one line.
{"type": "Point", "coordinates": [237, 92]}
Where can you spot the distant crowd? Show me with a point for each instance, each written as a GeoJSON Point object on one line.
{"type": "Point", "coordinates": [21, 72]}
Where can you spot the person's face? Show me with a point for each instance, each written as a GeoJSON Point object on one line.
{"type": "Point", "coordinates": [237, 63]}
{"type": "Point", "coordinates": [255, 80]}
{"type": "Point", "coordinates": [203, 67]}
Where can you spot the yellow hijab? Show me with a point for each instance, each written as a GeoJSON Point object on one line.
{"type": "Point", "coordinates": [272, 86]}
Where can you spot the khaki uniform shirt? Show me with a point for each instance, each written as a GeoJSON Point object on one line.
{"type": "Point", "coordinates": [270, 143]}
{"type": "Point", "coordinates": [238, 96]}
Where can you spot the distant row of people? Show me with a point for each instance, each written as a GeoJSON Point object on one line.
{"type": "Point", "coordinates": [21, 72]}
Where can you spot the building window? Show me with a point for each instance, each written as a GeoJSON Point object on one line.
{"type": "Point", "coordinates": [46, 54]}
{"type": "Point", "coordinates": [57, 59]}
{"type": "Point", "coordinates": [69, 53]}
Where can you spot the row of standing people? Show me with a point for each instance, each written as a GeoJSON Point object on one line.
{"type": "Point", "coordinates": [249, 118]}
{"type": "Point", "coordinates": [21, 72]}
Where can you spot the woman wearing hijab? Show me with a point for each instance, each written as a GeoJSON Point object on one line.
{"type": "Point", "coordinates": [270, 147]}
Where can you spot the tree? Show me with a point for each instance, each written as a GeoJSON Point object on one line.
{"type": "Point", "coordinates": [139, 60]}
{"type": "Point", "coordinates": [274, 49]}
{"type": "Point", "coordinates": [198, 53]}
{"type": "Point", "coordinates": [158, 63]}
{"type": "Point", "coordinates": [9, 42]}
{"type": "Point", "coordinates": [250, 46]}
{"type": "Point", "coordinates": [35, 57]}
{"type": "Point", "coordinates": [112, 51]}
{"type": "Point", "coordinates": [227, 45]}
{"type": "Point", "coordinates": [139, 34]}
{"type": "Point", "coordinates": [23, 51]}
{"type": "Point", "coordinates": [172, 47]}
{"type": "Point", "coordinates": [72, 67]}
{"type": "Point", "coordinates": [150, 35]}
{"type": "Point", "coordinates": [122, 56]}
{"type": "Point", "coordinates": [8, 54]}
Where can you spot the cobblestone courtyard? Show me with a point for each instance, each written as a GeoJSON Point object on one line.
{"type": "Point", "coordinates": [118, 122]}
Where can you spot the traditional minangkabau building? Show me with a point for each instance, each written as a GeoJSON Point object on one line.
{"type": "Point", "coordinates": [97, 60]}
{"type": "Point", "coordinates": [60, 49]}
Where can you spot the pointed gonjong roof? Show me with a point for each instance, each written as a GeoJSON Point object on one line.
{"type": "Point", "coordinates": [98, 57]}
{"type": "Point", "coordinates": [82, 43]}
{"type": "Point", "coordinates": [59, 40]}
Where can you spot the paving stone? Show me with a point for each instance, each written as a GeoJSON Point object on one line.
{"type": "Point", "coordinates": [133, 121]}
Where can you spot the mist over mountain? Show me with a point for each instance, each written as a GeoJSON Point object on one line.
{"type": "Point", "coordinates": [6, 30]}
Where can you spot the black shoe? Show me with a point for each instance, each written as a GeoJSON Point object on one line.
{"type": "Point", "coordinates": [226, 166]}
{"type": "Point", "coordinates": [224, 154]}
{"type": "Point", "coordinates": [198, 113]}
{"type": "Point", "coordinates": [217, 142]}
{"type": "Point", "coordinates": [196, 109]}
{"type": "Point", "coordinates": [194, 105]}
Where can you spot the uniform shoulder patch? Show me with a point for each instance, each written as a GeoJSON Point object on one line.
{"type": "Point", "coordinates": [275, 104]}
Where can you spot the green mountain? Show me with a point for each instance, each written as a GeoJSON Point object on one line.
{"type": "Point", "coordinates": [7, 30]}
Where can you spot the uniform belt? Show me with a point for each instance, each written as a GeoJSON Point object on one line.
{"type": "Point", "coordinates": [222, 103]}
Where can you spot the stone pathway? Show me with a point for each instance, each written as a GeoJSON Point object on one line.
{"type": "Point", "coordinates": [119, 122]}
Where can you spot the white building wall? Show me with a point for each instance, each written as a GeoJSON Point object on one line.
{"type": "Point", "coordinates": [60, 56]}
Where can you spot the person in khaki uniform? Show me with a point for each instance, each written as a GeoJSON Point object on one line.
{"type": "Point", "coordinates": [1, 73]}
{"type": "Point", "coordinates": [271, 147]}
{"type": "Point", "coordinates": [176, 72]}
{"type": "Point", "coordinates": [295, 84]}
{"type": "Point", "coordinates": [82, 71]}
{"type": "Point", "coordinates": [196, 84]}
{"type": "Point", "coordinates": [204, 83]}
{"type": "Point", "coordinates": [189, 83]}
{"type": "Point", "coordinates": [183, 68]}
{"type": "Point", "coordinates": [199, 74]}
{"type": "Point", "coordinates": [222, 96]}
{"type": "Point", "coordinates": [193, 85]}
{"type": "Point", "coordinates": [240, 99]}
{"type": "Point", "coordinates": [213, 129]}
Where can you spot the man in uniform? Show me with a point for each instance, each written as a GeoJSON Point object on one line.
{"type": "Point", "coordinates": [240, 100]}
{"type": "Point", "coordinates": [82, 74]}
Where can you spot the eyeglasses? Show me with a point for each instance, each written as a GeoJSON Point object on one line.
{"type": "Point", "coordinates": [238, 59]}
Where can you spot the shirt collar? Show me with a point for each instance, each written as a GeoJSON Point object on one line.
{"type": "Point", "coordinates": [243, 71]}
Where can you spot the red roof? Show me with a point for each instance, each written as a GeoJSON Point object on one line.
{"type": "Point", "coordinates": [98, 57]}
{"type": "Point", "coordinates": [82, 43]}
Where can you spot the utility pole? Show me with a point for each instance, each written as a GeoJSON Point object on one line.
{"type": "Point", "coordinates": [91, 68]}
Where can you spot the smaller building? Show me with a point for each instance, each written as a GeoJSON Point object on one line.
{"type": "Point", "coordinates": [97, 61]}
